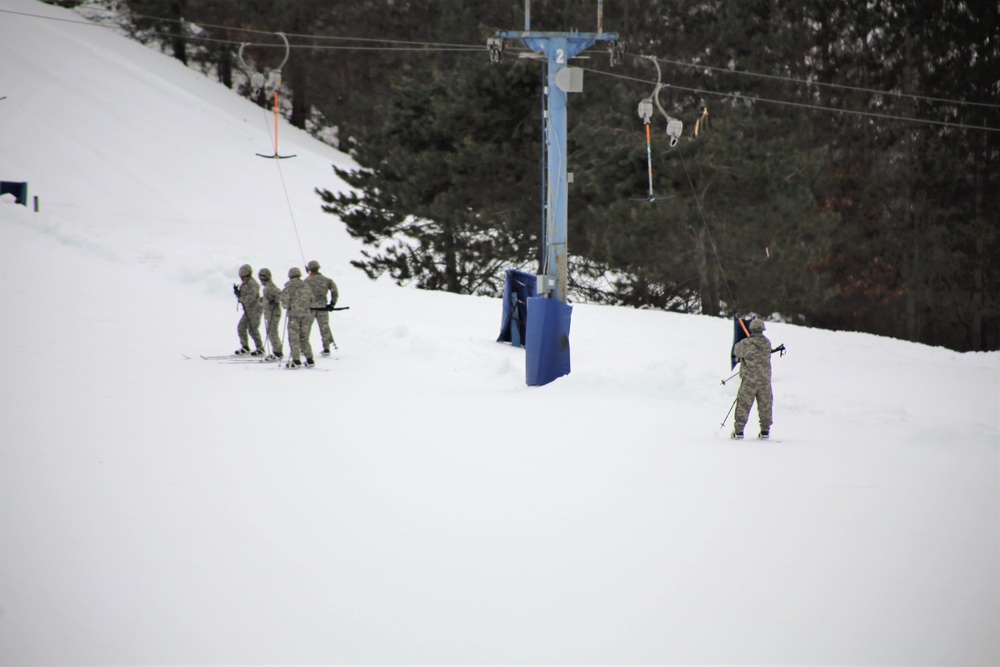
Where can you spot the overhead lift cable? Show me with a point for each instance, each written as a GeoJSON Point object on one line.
{"type": "Point", "coordinates": [823, 84]}
{"type": "Point", "coordinates": [803, 105]}
{"type": "Point", "coordinates": [434, 47]}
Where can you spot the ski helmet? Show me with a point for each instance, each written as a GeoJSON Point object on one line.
{"type": "Point", "coordinates": [313, 265]}
{"type": "Point", "coordinates": [265, 274]}
{"type": "Point", "coordinates": [246, 270]}
{"type": "Point", "coordinates": [757, 325]}
{"type": "Point", "coordinates": [294, 272]}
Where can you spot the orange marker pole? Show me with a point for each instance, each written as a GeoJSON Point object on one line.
{"type": "Point", "coordinates": [275, 121]}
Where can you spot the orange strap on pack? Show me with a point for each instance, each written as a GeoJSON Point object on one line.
{"type": "Point", "coordinates": [743, 325]}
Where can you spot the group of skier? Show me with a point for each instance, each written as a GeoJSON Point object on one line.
{"type": "Point", "coordinates": [304, 300]}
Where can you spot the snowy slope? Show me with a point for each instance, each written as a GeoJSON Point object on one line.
{"type": "Point", "coordinates": [416, 501]}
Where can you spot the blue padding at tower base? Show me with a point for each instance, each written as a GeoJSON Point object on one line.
{"type": "Point", "coordinates": [518, 287]}
{"type": "Point", "coordinates": [547, 348]}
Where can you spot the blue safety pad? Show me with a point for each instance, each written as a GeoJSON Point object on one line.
{"type": "Point", "coordinates": [519, 286]}
{"type": "Point", "coordinates": [547, 350]}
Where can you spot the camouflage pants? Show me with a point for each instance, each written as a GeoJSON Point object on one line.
{"type": "Point", "coordinates": [298, 337]}
{"type": "Point", "coordinates": [272, 324]}
{"type": "Point", "coordinates": [323, 322]}
{"type": "Point", "coordinates": [749, 392]}
{"type": "Point", "coordinates": [250, 323]}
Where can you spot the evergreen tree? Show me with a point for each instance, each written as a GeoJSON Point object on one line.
{"type": "Point", "coordinates": [164, 19]}
{"type": "Point", "coordinates": [912, 255]}
{"type": "Point", "coordinates": [735, 207]}
{"type": "Point", "coordinates": [447, 192]}
{"type": "Point", "coordinates": [738, 220]}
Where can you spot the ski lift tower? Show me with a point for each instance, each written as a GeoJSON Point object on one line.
{"type": "Point", "coordinates": [556, 48]}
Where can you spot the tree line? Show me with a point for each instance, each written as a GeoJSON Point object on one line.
{"type": "Point", "coordinates": [845, 173]}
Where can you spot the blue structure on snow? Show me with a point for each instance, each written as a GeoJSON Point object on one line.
{"type": "Point", "coordinates": [547, 341]}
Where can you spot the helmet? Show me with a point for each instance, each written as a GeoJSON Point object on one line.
{"type": "Point", "coordinates": [313, 265]}
{"type": "Point", "coordinates": [245, 270]}
{"type": "Point", "coordinates": [757, 325]}
{"type": "Point", "coordinates": [265, 274]}
{"type": "Point", "coordinates": [294, 272]}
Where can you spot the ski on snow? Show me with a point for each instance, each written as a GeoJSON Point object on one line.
{"type": "Point", "coordinates": [302, 367]}
{"type": "Point", "coordinates": [237, 358]}
{"type": "Point", "coordinates": [280, 364]}
{"type": "Point", "coordinates": [244, 360]}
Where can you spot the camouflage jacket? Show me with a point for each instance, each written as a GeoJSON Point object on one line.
{"type": "Point", "coordinates": [754, 354]}
{"type": "Point", "coordinates": [250, 295]}
{"type": "Point", "coordinates": [272, 298]}
{"type": "Point", "coordinates": [296, 298]}
{"type": "Point", "coordinates": [320, 285]}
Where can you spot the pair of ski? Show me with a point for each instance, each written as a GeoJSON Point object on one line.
{"type": "Point", "coordinates": [302, 366]}
{"type": "Point", "coordinates": [239, 359]}
{"type": "Point", "coordinates": [246, 359]}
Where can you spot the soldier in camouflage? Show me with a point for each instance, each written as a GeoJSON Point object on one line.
{"type": "Point", "coordinates": [754, 355]}
{"type": "Point", "coordinates": [321, 285]}
{"type": "Point", "coordinates": [248, 293]}
{"type": "Point", "coordinates": [296, 298]}
{"type": "Point", "coordinates": [272, 313]}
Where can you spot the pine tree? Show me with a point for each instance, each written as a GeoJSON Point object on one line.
{"type": "Point", "coordinates": [912, 256]}
{"type": "Point", "coordinates": [447, 191]}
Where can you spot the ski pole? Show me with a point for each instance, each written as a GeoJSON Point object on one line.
{"type": "Point", "coordinates": [280, 352]}
{"type": "Point", "coordinates": [267, 344]}
{"type": "Point", "coordinates": [267, 339]}
{"type": "Point", "coordinates": [332, 339]}
{"type": "Point", "coordinates": [280, 359]}
{"type": "Point", "coordinates": [728, 413]}
{"type": "Point", "coordinates": [730, 377]}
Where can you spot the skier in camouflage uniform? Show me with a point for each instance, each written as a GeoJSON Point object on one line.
{"type": "Point", "coordinates": [248, 293]}
{"type": "Point", "coordinates": [272, 313]}
{"type": "Point", "coordinates": [295, 298]}
{"type": "Point", "coordinates": [320, 286]}
{"type": "Point", "coordinates": [754, 355]}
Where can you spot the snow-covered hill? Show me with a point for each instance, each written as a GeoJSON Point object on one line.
{"type": "Point", "coordinates": [414, 500]}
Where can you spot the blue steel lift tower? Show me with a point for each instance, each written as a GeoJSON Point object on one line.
{"type": "Point", "coordinates": [557, 48]}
